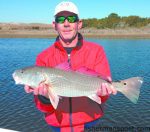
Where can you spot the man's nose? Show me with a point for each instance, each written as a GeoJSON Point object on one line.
{"type": "Point", "coordinates": [66, 23]}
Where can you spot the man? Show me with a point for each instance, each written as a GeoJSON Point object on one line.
{"type": "Point", "coordinates": [72, 114]}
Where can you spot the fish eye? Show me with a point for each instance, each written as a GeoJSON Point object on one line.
{"type": "Point", "coordinates": [22, 71]}
{"type": "Point", "coordinates": [125, 83]}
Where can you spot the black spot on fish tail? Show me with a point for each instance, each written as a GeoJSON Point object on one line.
{"type": "Point", "coordinates": [125, 83]}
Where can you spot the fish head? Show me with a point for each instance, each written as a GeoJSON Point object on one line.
{"type": "Point", "coordinates": [31, 76]}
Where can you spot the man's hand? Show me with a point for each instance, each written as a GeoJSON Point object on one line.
{"type": "Point", "coordinates": [107, 89]}
{"type": "Point", "coordinates": [28, 89]}
{"type": "Point", "coordinates": [41, 90]}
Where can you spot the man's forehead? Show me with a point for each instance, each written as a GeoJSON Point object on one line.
{"type": "Point", "coordinates": [65, 13]}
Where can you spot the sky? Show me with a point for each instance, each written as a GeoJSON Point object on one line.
{"type": "Point", "coordinates": [41, 11]}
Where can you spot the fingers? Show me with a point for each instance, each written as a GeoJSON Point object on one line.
{"type": "Point", "coordinates": [114, 91]}
{"type": "Point", "coordinates": [107, 90]}
{"type": "Point", "coordinates": [28, 89]}
{"type": "Point", "coordinates": [41, 90]}
{"type": "Point", "coordinates": [110, 88]}
{"type": "Point", "coordinates": [109, 79]}
{"type": "Point", "coordinates": [104, 89]}
{"type": "Point", "coordinates": [36, 91]}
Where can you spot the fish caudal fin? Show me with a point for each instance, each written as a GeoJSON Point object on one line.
{"type": "Point", "coordinates": [95, 98]}
{"type": "Point", "coordinates": [130, 88]}
{"type": "Point", "coordinates": [54, 99]}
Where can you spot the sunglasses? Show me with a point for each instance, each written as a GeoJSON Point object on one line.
{"type": "Point", "coordinates": [71, 19]}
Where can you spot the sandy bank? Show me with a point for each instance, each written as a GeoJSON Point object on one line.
{"type": "Point", "coordinates": [46, 31]}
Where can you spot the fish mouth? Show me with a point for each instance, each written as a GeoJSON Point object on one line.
{"type": "Point", "coordinates": [17, 80]}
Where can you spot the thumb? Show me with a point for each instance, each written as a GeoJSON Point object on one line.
{"type": "Point", "coordinates": [109, 79]}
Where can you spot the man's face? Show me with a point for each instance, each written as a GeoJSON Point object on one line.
{"type": "Point", "coordinates": [67, 30]}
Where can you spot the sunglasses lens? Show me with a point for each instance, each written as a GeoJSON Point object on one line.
{"type": "Point", "coordinates": [71, 19]}
{"type": "Point", "coordinates": [60, 19]}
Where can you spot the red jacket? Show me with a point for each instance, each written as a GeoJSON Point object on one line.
{"type": "Point", "coordinates": [78, 110]}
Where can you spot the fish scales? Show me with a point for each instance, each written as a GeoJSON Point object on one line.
{"type": "Point", "coordinates": [73, 84]}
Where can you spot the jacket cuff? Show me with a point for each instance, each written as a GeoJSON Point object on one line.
{"type": "Point", "coordinates": [104, 98]}
{"type": "Point", "coordinates": [43, 99]}
{"type": "Point", "coordinates": [44, 107]}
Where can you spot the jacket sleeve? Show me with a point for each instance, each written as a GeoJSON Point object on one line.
{"type": "Point", "coordinates": [43, 106]}
{"type": "Point", "coordinates": [41, 102]}
{"type": "Point", "coordinates": [102, 67]}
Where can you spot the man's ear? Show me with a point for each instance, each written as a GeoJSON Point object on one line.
{"type": "Point", "coordinates": [54, 25]}
{"type": "Point", "coordinates": [79, 24]}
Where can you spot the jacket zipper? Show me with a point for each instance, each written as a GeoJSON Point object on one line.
{"type": "Point", "coordinates": [70, 111]}
{"type": "Point", "coordinates": [70, 99]}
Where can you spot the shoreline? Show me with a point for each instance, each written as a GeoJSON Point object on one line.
{"type": "Point", "coordinates": [87, 33]}
{"type": "Point", "coordinates": [85, 36]}
{"type": "Point", "coordinates": [117, 36]}
{"type": "Point", "coordinates": [10, 30]}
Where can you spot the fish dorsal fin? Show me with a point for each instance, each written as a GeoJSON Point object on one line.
{"type": "Point", "coordinates": [64, 66]}
{"type": "Point", "coordinates": [82, 70]}
{"type": "Point", "coordinates": [87, 71]}
{"type": "Point", "coordinates": [54, 98]}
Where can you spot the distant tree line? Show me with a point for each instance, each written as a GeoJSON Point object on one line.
{"type": "Point", "coordinates": [115, 21]}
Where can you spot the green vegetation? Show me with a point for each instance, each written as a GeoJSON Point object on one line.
{"type": "Point", "coordinates": [115, 21]}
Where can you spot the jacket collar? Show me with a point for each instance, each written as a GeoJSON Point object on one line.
{"type": "Point", "coordinates": [79, 44]}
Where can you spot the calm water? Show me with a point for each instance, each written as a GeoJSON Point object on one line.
{"type": "Point", "coordinates": [127, 58]}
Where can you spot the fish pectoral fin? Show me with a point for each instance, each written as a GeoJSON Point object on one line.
{"type": "Point", "coordinates": [95, 98]}
{"type": "Point", "coordinates": [54, 98]}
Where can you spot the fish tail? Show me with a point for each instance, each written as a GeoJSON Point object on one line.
{"type": "Point", "coordinates": [131, 88]}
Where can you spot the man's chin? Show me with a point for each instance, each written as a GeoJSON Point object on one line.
{"type": "Point", "coordinates": [67, 39]}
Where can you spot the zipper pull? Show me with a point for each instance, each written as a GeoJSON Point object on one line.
{"type": "Point", "coordinates": [69, 60]}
